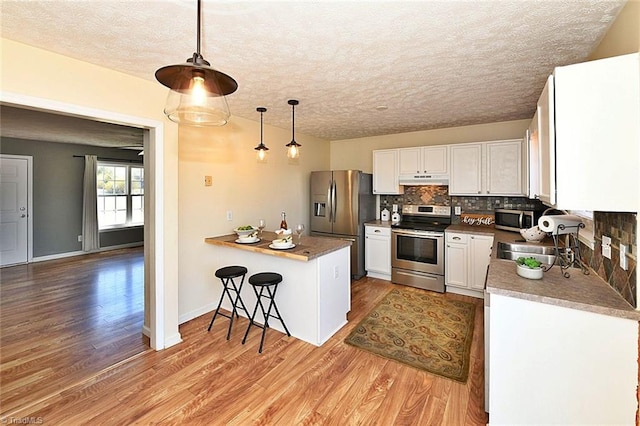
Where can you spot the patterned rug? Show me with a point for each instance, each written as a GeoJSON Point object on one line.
{"type": "Point", "coordinates": [419, 328]}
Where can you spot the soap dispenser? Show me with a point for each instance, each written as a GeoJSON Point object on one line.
{"type": "Point", "coordinates": [384, 215]}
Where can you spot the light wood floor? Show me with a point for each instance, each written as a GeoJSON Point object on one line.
{"type": "Point", "coordinates": [208, 380]}
{"type": "Point", "coordinates": [64, 321]}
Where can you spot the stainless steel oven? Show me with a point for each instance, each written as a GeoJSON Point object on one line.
{"type": "Point", "coordinates": [417, 247]}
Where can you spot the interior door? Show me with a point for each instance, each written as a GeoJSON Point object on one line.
{"type": "Point", "coordinates": [13, 211]}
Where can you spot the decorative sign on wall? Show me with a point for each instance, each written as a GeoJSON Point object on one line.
{"type": "Point", "coordinates": [477, 219]}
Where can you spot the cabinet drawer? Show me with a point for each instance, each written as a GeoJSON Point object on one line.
{"type": "Point", "coordinates": [457, 238]}
{"type": "Point", "coordinates": [377, 230]}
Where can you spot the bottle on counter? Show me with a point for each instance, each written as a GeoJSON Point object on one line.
{"type": "Point", "coordinates": [384, 215]}
{"type": "Point", "coordinates": [283, 222]}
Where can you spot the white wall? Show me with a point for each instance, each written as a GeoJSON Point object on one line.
{"type": "Point", "coordinates": [357, 153]}
{"type": "Point", "coordinates": [251, 190]}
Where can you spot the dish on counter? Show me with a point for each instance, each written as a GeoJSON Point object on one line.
{"type": "Point", "coordinates": [247, 240]}
{"type": "Point", "coordinates": [281, 246]}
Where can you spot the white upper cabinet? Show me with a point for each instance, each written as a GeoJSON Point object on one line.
{"type": "Point", "coordinates": [504, 168]}
{"type": "Point", "coordinates": [487, 168]}
{"type": "Point", "coordinates": [547, 146]}
{"type": "Point", "coordinates": [385, 172]}
{"type": "Point", "coordinates": [597, 135]}
{"type": "Point", "coordinates": [430, 160]}
{"type": "Point", "coordinates": [532, 148]}
{"type": "Point", "coordinates": [466, 169]}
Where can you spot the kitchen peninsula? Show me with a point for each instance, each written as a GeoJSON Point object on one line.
{"type": "Point", "coordinates": [315, 294]}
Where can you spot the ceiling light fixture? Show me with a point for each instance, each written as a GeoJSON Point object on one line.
{"type": "Point", "coordinates": [197, 95]}
{"type": "Point", "coordinates": [262, 148]}
{"type": "Point", "coordinates": [293, 146]}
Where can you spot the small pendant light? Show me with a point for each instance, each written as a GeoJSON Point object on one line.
{"type": "Point", "coordinates": [197, 95]}
{"type": "Point", "coordinates": [262, 148]}
{"type": "Point", "coordinates": [293, 146]}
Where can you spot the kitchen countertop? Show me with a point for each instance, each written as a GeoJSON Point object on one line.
{"type": "Point", "coordinates": [381, 223]}
{"type": "Point", "coordinates": [311, 247]}
{"type": "Point", "coordinates": [584, 292]}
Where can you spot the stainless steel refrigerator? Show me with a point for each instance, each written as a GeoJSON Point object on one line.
{"type": "Point", "coordinates": [341, 202]}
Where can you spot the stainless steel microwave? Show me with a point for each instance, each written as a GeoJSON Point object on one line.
{"type": "Point", "coordinates": [515, 220]}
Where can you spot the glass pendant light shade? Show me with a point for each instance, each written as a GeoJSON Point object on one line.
{"type": "Point", "coordinates": [197, 95]}
{"type": "Point", "coordinates": [261, 148]}
{"type": "Point", "coordinates": [195, 99]}
{"type": "Point", "coordinates": [293, 147]}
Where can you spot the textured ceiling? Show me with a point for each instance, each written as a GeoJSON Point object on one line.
{"type": "Point", "coordinates": [432, 64]}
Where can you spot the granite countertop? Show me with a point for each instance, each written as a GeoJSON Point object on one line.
{"type": "Point", "coordinates": [310, 247]}
{"type": "Point", "coordinates": [584, 292]}
{"type": "Point", "coordinates": [381, 223]}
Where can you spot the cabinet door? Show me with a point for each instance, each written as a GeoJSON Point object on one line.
{"type": "Point", "coordinates": [378, 254]}
{"type": "Point", "coordinates": [456, 265]}
{"type": "Point", "coordinates": [533, 156]}
{"type": "Point", "coordinates": [597, 111]}
{"type": "Point", "coordinates": [547, 139]}
{"type": "Point", "coordinates": [410, 161]}
{"type": "Point", "coordinates": [385, 172]}
{"type": "Point", "coordinates": [466, 169]}
{"type": "Point", "coordinates": [435, 160]}
{"type": "Point", "coordinates": [504, 168]}
{"type": "Point", "coordinates": [479, 258]}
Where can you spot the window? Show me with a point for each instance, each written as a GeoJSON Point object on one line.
{"type": "Point", "coordinates": [120, 195]}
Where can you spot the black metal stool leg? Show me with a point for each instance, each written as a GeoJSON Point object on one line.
{"type": "Point", "coordinates": [227, 276]}
{"type": "Point", "coordinates": [253, 316]}
{"type": "Point", "coordinates": [273, 303]}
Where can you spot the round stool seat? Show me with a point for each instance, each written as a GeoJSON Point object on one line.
{"type": "Point", "coordinates": [265, 278]}
{"type": "Point", "coordinates": [231, 272]}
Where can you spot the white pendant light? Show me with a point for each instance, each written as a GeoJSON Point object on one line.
{"type": "Point", "coordinates": [293, 147]}
{"type": "Point", "coordinates": [197, 95]}
{"type": "Point", "coordinates": [261, 148]}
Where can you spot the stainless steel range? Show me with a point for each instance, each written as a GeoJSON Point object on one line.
{"type": "Point", "coordinates": [417, 247]}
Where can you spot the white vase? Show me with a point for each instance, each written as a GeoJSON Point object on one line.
{"type": "Point", "coordinates": [532, 274]}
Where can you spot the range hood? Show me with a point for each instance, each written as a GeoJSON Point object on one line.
{"type": "Point", "coordinates": [418, 179]}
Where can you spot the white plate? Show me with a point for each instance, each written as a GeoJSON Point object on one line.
{"type": "Point", "coordinates": [247, 241]}
{"type": "Point", "coordinates": [282, 247]}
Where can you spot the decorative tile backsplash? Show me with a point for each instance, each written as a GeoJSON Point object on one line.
{"type": "Point", "coordinates": [622, 229]}
{"type": "Point", "coordinates": [439, 195]}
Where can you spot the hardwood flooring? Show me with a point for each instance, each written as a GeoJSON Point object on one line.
{"type": "Point", "coordinates": [64, 321]}
{"type": "Point", "coordinates": [211, 381]}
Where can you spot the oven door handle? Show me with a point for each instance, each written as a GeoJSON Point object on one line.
{"type": "Point", "coordinates": [419, 234]}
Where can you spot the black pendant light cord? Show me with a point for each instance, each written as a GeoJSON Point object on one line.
{"type": "Point", "coordinates": [198, 33]}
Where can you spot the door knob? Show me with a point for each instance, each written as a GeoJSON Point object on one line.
{"type": "Point", "coordinates": [23, 215]}
{"type": "Point", "coordinates": [22, 209]}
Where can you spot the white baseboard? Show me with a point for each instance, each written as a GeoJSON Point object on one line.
{"type": "Point", "coordinates": [146, 331]}
{"type": "Point", "coordinates": [82, 253]}
{"type": "Point", "coordinates": [466, 292]}
{"type": "Point", "coordinates": [197, 312]}
{"type": "Point", "coordinates": [379, 276]}
{"type": "Point", "coordinates": [172, 340]}
{"type": "Point", "coordinates": [58, 256]}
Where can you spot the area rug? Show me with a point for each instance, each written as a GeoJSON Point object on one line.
{"type": "Point", "coordinates": [419, 328]}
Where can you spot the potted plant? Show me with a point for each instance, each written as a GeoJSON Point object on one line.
{"type": "Point", "coordinates": [529, 267]}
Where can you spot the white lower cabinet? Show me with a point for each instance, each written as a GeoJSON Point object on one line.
{"type": "Point", "coordinates": [377, 249]}
{"type": "Point", "coordinates": [555, 365]}
{"type": "Point", "coordinates": [467, 257]}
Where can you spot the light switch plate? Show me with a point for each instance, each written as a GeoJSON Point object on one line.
{"type": "Point", "coordinates": [458, 210]}
{"type": "Point", "coordinates": [624, 263]}
{"type": "Point", "coordinates": [606, 246]}
{"type": "Point", "coordinates": [208, 181]}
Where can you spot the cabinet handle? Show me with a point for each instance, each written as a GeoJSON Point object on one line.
{"type": "Point", "coordinates": [473, 238]}
{"type": "Point", "coordinates": [488, 192]}
{"type": "Point", "coordinates": [479, 192]}
{"type": "Point", "coordinates": [456, 238]}
{"type": "Point", "coordinates": [377, 230]}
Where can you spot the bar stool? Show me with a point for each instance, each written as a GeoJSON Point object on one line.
{"type": "Point", "coordinates": [227, 275]}
{"type": "Point", "coordinates": [265, 281]}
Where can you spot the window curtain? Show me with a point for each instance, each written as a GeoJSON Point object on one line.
{"type": "Point", "coordinates": [90, 235]}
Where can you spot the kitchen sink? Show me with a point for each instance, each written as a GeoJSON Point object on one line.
{"type": "Point", "coordinates": [512, 251]}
